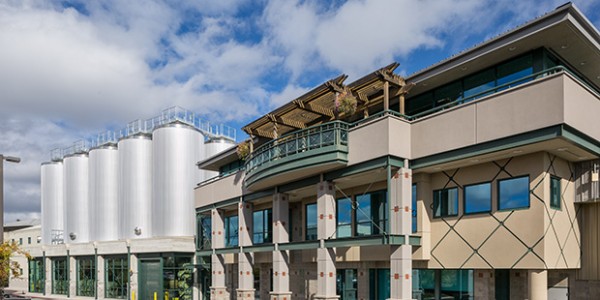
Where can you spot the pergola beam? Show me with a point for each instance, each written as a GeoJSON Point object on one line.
{"type": "Point", "coordinates": [320, 110]}
{"type": "Point", "coordinates": [286, 121]}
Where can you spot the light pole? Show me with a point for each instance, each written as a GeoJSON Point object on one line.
{"type": "Point", "coordinates": [2, 159]}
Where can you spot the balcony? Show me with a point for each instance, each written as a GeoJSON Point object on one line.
{"type": "Point", "coordinates": [317, 147]}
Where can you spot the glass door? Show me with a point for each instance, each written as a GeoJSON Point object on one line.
{"type": "Point", "coordinates": [347, 284]}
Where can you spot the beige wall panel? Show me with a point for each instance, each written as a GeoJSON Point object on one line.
{"type": "Point", "coordinates": [483, 284]}
{"type": "Point", "coordinates": [369, 141]}
{"type": "Point", "coordinates": [581, 106]}
{"type": "Point", "coordinates": [400, 137]}
{"type": "Point", "coordinates": [476, 228]}
{"type": "Point", "coordinates": [522, 109]}
{"type": "Point", "coordinates": [444, 131]}
{"type": "Point", "coordinates": [374, 253]}
{"type": "Point", "coordinates": [529, 260]}
{"type": "Point", "coordinates": [475, 262]}
{"type": "Point", "coordinates": [222, 189]}
{"type": "Point", "coordinates": [502, 251]}
{"type": "Point", "coordinates": [452, 251]}
{"type": "Point", "coordinates": [590, 261]}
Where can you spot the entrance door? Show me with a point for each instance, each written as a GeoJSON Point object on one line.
{"type": "Point", "coordinates": [150, 279]}
{"type": "Point", "coordinates": [346, 284]}
{"type": "Point", "coordinates": [502, 284]}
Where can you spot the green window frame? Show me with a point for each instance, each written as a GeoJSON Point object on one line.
{"type": "Point", "coordinates": [116, 271]}
{"type": "Point", "coordinates": [86, 276]}
{"type": "Point", "coordinates": [203, 232]}
{"type": "Point", "coordinates": [29, 240]}
{"type": "Point", "coordinates": [60, 276]}
{"type": "Point", "coordinates": [513, 193]}
{"type": "Point", "coordinates": [310, 222]}
{"type": "Point", "coordinates": [478, 198]}
{"type": "Point", "coordinates": [20, 241]}
{"type": "Point", "coordinates": [555, 192]}
{"type": "Point", "coordinates": [344, 211]}
{"type": "Point", "coordinates": [371, 213]}
{"type": "Point", "coordinates": [231, 231]}
{"type": "Point", "coordinates": [177, 276]}
{"type": "Point", "coordinates": [445, 202]}
{"type": "Point", "coordinates": [262, 226]}
{"type": "Point", "coordinates": [414, 208]}
{"type": "Point", "coordinates": [36, 275]}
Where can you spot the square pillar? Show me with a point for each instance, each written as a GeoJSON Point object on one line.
{"type": "Point", "coordinates": [245, 290]}
{"type": "Point", "coordinates": [218, 290]}
{"type": "Point", "coordinates": [326, 226]}
{"type": "Point", "coordinates": [424, 202]}
{"type": "Point", "coordinates": [281, 259]}
{"type": "Point", "coordinates": [400, 200]}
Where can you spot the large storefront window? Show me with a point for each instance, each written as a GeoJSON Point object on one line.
{"type": "Point", "coordinates": [450, 284]}
{"type": "Point", "coordinates": [262, 226]}
{"type": "Point", "coordinates": [36, 275]}
{"type": "Point", "coordinates": [311, 222]}
{"type": "Point", "coordinates": [117, 276]}
{"type": "Point", "coordinates": [86, 276]}
{"type": "Point", "coordinates": [177, 274]}
{"type": "Point", "coordinates": [60, 276]}
{"type": "Point", "coordinates": [371, 213]}
{"type": "Point", "coordinates": [346, 284]}
{"type": "Point", "coordinates": [231, 231]}
{"type": "Point", "coordinates": [379, 284]}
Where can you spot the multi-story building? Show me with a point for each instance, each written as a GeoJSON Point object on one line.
{"type": "Point", "coordinates": [476, 177]}
{"type": "Point", "coordinates": [27, 235]}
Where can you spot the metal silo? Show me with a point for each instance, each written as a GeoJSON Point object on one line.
{"type": "Point", "coordinates": [177, 147]}
{"type": "Point", "coordinates": [103, 191]}
{"type": "Point", "coordinates": [52, 202]}
{"type": "Point", "coordinates": [77, 213]}
{"type": "Point", "coordinates": [213, 147]}
{"type": "Point", "coordinates": [135, 186]}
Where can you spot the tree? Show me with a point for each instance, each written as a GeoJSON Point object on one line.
{"type": "Point", "coordinates": [7, 267]}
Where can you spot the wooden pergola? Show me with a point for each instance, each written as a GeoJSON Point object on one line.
{"type": "Point", "coordinates": [319, 105]}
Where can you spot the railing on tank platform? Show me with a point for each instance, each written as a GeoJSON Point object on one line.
{"type": "Point", "coordinates": [79, 147]}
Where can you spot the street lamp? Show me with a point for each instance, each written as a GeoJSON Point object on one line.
{"type": "Point", "coordinates": [11, 159]}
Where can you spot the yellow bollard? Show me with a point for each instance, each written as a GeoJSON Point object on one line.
{"type": "Point", "coordinates": [132, 295]}
{"type": "Point", "coordinates": [154, 295]}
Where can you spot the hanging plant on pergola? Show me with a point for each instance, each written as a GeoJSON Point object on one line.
{"type": "Point", "coordinates": [346, 104]}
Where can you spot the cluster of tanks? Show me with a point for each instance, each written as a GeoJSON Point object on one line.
{"type": "Point", "coordinates": [134, 183]}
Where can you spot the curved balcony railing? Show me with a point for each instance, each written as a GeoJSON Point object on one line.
{"type": "Point", "coordinates": [304, 141]}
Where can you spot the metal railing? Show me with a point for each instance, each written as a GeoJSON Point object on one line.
{"type": "Point", "coordinates": [78, 147]}
{"type": "Point", "coordinates": [312, 138]}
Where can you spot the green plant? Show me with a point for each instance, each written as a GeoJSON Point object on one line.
{"type": "Point", "coordinates": [184, 281]}
{"type": "Point", "coordinates": [347, 104]}
{"type": "Point", "coordinates": [243, 150]}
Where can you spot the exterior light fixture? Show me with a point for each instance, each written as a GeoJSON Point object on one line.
{"type": "Point", "coordinates": [72, 236]}
{"type": "Point", "coordinates": [137, 231]}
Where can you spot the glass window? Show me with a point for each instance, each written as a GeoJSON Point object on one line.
{"type": "Point", "coordinates": [36, 275]}
{"type": "Point", "coordinates": [20, 241]}
{"type": "Point", "coordinates": [445, 202]}
{"type": "Point", "coordinates": [262, 226]}
{"type": "Point", "coordinates": [515, 69]}
{"type": "Point", "coordinates": [379, 284]}
{"type": "Point", "coordinates": [344, 217]}
{"type": "Point", "coordinates": [231, 231]}
{"type": "Point", "coordinates": [479, 82]}
{"type": "Point", "coordinates": [204, 232]}
{"type": "Point", "coordinates": [311, 222]}
{"type": "Point", "coordinates": [448, 93]}
{"type": "Point", "coordinates": [177, 276]}
{"type": "Point", "coordinates": [60, 276]}
{"type": "Point", "coordinates": [478, 198]}
{"type": "Point", "coordinates": [513, 193]}
{"type": "Point", "coordinates": [86, 276]}
{"type": "Point", "coordinates": [414, 208]}
{"type": "Point", "coordinates": [371, 213]}
{"type": "Point", "coordinates": [29, 240]}
{"type": "Point", "coordinates": [555, 192]}
{"type": "Point", "coordinates": [419, 103]}
{"type": "Point", "coordinates": [117, 276]}
{"type": "Point", "coordinates": [347, 284]}
{"type": "Point", "coordinates": [456, 284]}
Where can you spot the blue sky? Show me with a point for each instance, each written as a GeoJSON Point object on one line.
{"type": "Point", "coordinates": [70, 69]}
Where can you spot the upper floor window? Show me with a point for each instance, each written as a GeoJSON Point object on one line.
{"type": "Point", "coordinates": [445, 202]}
{"type": "Point", "coordinates": [311, 222]}
{"type": "Point", "coordinates": [371, 213]}
{"type": "Point", "coordinates": [513, 193]}
{"type": "Point", "coordinates": [262, 226]}
{"type": "Point", "coordinates": [204, 232]}
{"type": "Point", "coordinates": [344, 217]}
{"type": "Point", "coordinates": [414, 207]}
{"type": "Point", "coordinates": [231, 231]}
{"type": "Point", "coordinates": [555, 192]}
{"type": "Point", "coordinates": [478, 198]}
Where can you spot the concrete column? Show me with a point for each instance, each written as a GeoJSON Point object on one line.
{"type": "Point", "coordinates": [100, 277]}
{"type": "Point", "coordinates": [538, 284]}
{"type": "Point", "coordinates": [48, 275]}
{"type": "Point", "coordinates": [400, 204]}
{"type": "Point", "coordinates": [218, 290]}
{"type": "Point", "coordinates": [134, 276]}
{"type": "Point", "coordinates": [72, 277]}
{"type": "Point", "coordinates": [245, 290]}
{"type": "Point", "coordinates": [326, 226]}
{"type": "Point", "coordinates": [281, 259]}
